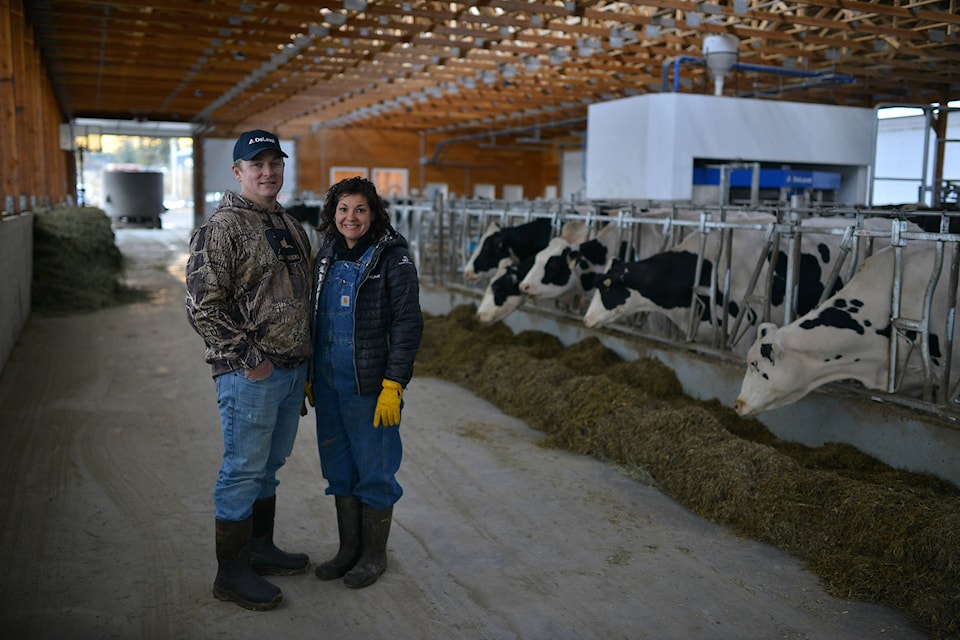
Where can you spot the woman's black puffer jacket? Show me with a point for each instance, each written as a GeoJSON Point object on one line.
{"type": "Point", "coordinates": [388, 322]}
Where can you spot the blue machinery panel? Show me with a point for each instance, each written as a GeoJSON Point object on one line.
{"type": "Point", "coordinates": [771, 178]}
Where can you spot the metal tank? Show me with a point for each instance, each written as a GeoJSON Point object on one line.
{"type": "Point", "coordinates": [133, 197]}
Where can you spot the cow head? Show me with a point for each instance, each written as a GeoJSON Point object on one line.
{"type": "Point", "coordinates": [557, 269]}
{"type": "Point", "coordinates": [551, 275]}
{"type": "Point", "coordinates": [503, 294]}
{"type": "Point", "coordinates": [609, 301]}
{"type": "Point", "coordinates": [833, 342]}
{"type": "Point", "coordinates": [662, 283]}
{"type": "Point", "coordinates": [490, 250]}
{"type": "Point", "coordinates": [765, 386]}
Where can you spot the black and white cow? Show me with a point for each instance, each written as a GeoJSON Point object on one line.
{"type": "Point", "coordinates": [566, 267]}
{"type": "Point", "coordinates": [498, 243]}
{"type": "Point", "coordinates": [559, 269]}
{"type": "Point", "coordinates": [664, 282]}
{"type": "Point", "coordinates": [503, 294]}
{"type": "Point", "coordinates": [848, 336]}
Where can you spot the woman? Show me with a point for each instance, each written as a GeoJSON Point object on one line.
{"type": "Point", "coordinates": [367, 329]}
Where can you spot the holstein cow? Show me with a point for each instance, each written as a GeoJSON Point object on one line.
{"type": "Point", "coordinates": [516, 243]}
{"type": "Point", "coordinates": [665, 282]}
{"type": "Point", "coordinates": [848, 336]}
{"type": "Point", "coordinates": [565, 269]}
{"type": "Point", "coordinates": [558, 269]}
{"type": "Point", "coordinates": [503, 294]}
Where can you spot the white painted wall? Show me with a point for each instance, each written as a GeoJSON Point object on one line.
{"type": "Point", "coordinates": [899, 158]}
{"type": "Point", "coordinates": [643, 147]}
{"type": "Point", "coordinates": [573, 183]}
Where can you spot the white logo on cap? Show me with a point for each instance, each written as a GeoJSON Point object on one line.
{"type": "Point", "coordinates": [256, 140]}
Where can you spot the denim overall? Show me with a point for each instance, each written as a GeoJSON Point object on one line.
{"type": "Point", "coordinates": [356, 458]}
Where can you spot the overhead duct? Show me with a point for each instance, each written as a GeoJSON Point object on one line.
{"type": "Point", "coordinates": [815, 78]}
{"type": "Point", "coordinates": [720, 53]}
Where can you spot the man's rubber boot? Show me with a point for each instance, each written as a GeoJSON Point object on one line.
{"type": "Point", "coordinates": [348, 524]}
{"type": "Point", "coordinates": [375, 529]}
{"type": "Point", "coordinates": [265, 558]}
{"type": "Point", "coordinates": [236, 580]}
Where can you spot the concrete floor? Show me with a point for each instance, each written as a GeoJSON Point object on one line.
{"type": "Point", "coordinates": [110, 444]}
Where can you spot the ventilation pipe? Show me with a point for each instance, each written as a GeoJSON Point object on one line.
{"type": "Point", "coordinates": [817, 78]}
{"type": "Point", "coordinates": [721, 53]}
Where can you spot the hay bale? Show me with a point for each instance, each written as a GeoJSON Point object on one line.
{"type": "Point", "coordinates": [869, 531]}
{"type": "Point", "coordinates": [76, 263]}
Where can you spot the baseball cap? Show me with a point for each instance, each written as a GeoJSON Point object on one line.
{"type": "Point", "coordinates": [250, 143]}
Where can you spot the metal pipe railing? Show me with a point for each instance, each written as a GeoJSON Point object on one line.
{"type": "Point", "coordinates": [454, 226]}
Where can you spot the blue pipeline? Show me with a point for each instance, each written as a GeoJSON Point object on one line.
{"type": "Point", "coordinates": [833, 78]}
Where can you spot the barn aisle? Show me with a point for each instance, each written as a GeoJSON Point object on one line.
{"type": "Point", "coordinates": [110, 444]}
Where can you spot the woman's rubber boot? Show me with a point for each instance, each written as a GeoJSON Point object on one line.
{"type": "Point", "coordinates": [265, 558]}
{"type": "Point", "coordinates": [236, 580]}
{"type": "Point", "coordinates": [348, 524]}
{"type": "Point", "coordinates": [375, 529]}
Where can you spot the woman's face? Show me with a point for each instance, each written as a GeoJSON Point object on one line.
{"type": "Point", "coordinates": [353, 217]}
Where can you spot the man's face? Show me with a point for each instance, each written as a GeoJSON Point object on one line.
{"type": "Point", "coordinates": [261, 178]}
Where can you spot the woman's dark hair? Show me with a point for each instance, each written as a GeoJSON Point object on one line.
{"type": "Point", "coordinates": [380, 221]}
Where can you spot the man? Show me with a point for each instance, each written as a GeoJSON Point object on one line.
{"type": "Point", "coordinates": [248, 293]}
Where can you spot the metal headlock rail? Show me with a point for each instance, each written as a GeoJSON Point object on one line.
{"type": "Point", "coordinates": [443, 234]}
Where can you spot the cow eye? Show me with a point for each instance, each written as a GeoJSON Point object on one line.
{"type": "Point", "coordinates": [754, 366]}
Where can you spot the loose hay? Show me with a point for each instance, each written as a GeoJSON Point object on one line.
{"type": "Point", "coordinates": [868, 531]}
{"type": "Point", "coordinates": [76, 264]}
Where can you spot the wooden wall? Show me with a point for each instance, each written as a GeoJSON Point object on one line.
{"type": "Point", "coordinates": [460, 165]}
{"type": "Point", "coordinates": [34, 169]}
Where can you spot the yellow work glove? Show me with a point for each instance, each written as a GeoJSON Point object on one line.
{"type": "Point", "coordinates": [388, 405]}
{"type": "Point", "coordinates": [307, 397]}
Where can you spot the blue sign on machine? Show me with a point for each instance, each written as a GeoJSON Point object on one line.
{"type": "Point", "coordinates": [771, 178]}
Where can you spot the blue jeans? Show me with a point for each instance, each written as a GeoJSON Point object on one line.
{"type": "Point", "coordinates": [259, 420]}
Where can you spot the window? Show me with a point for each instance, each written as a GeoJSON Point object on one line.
{"type": "Point", "coordinates": [391, 183]}
{"type": "Point", "coordinates": [342, 173]}
{"type": "Point", "coordinates": [484, 191]}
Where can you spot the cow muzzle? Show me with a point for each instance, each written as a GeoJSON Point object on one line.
{"type": "Point", "coordinates": [741, 407]}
